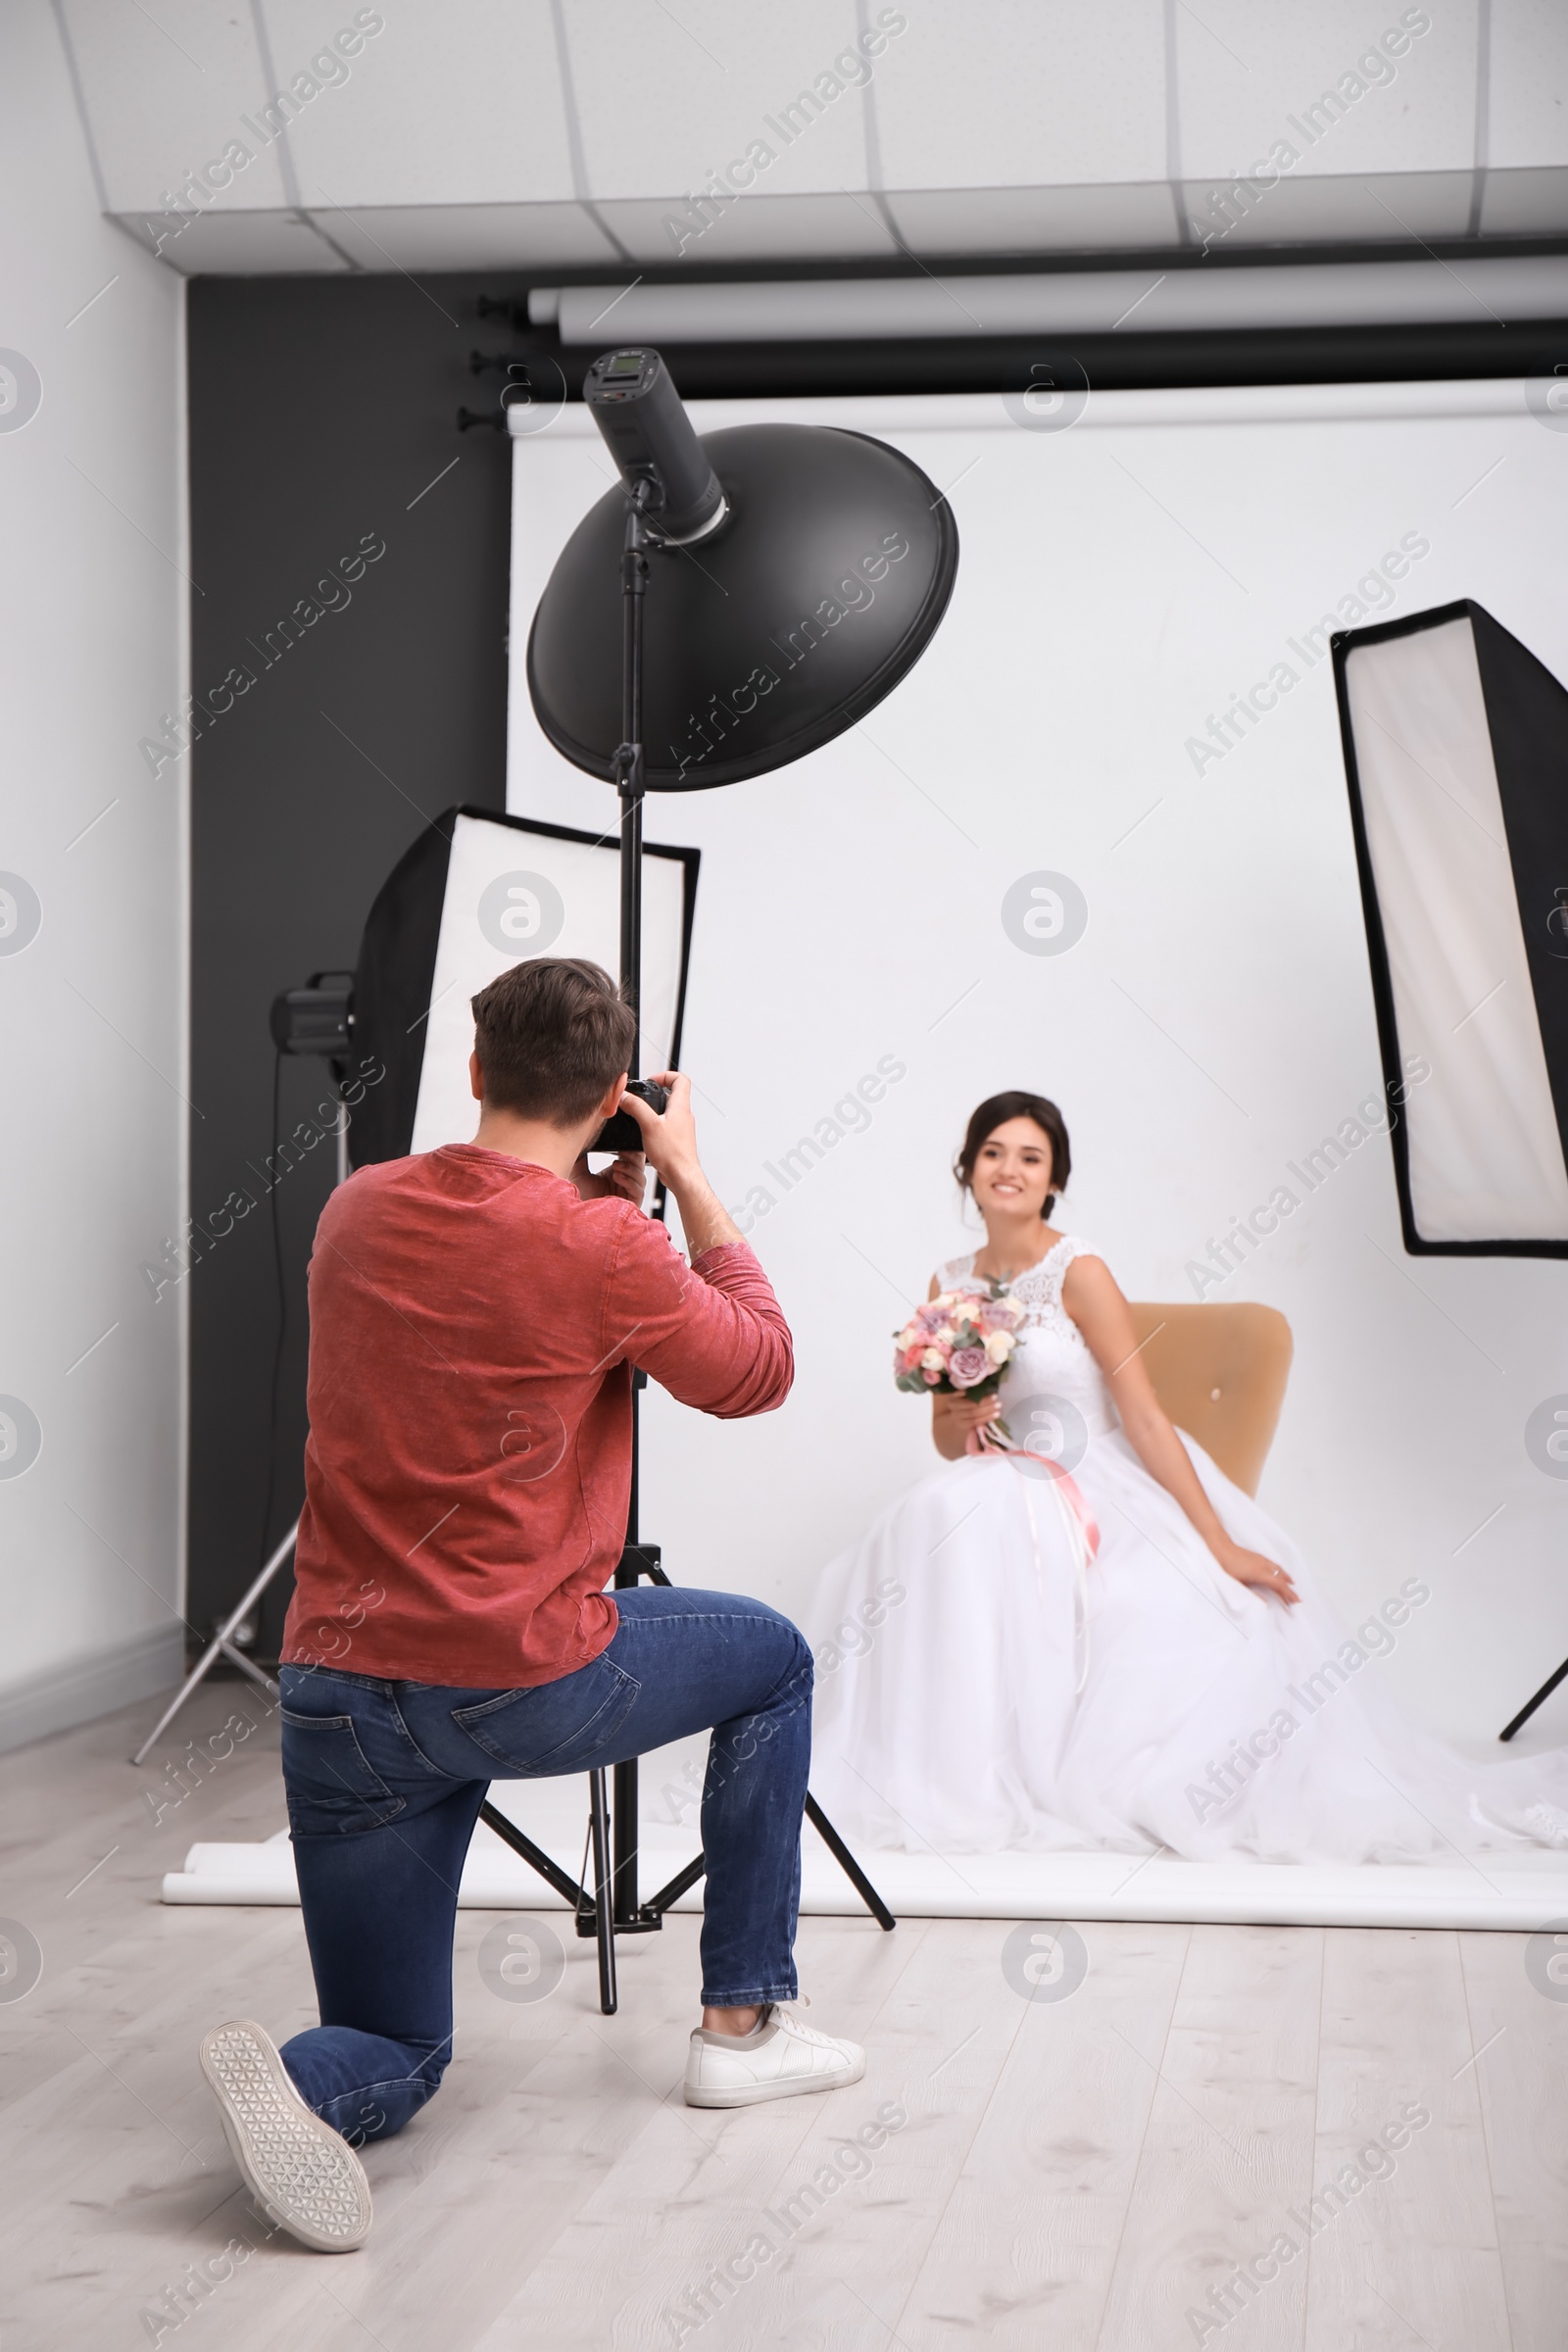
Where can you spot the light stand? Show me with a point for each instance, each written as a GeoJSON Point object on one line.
{"type": "Point", "coordinates": [803, 572]}
{"type": "Point", "coordinates": [1454, 738]}
{"type": "Point", "coordinates": [628, 1915]}
{"type": "Point", "coordinates": [318, 1018]}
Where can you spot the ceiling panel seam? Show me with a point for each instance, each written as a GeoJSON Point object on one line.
{"type": "Point", "coordinates": [1173, 128]}
{"type": "Point", "coordinates": [576, 151]}
{"type": "Point", "coordinates": [57, 9]}
{"type": "Point", "coordinates": [286, 154]}
{"type": "Point", "coordinates": [871, 128]}
{"type": "Point", "coordinates": [1483, 147]}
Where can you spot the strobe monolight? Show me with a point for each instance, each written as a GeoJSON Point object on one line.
{"type": "Point", "coordinates": [772, 583]}
{"type": "Point", "coordinates": [793, 575]}
{"type": "Point", "coordinates": [1457, 755]}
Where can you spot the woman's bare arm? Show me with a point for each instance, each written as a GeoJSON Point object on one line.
{"type": "Point", "coordinates": [1091, 1296]}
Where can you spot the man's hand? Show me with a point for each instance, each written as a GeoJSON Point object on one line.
{"type": "Point", "coordinates": [671, 1134]}
{"type": "Point", "coordinates": [625, 1179]}
{"type": "Point", "coordinates": [671, 1140]}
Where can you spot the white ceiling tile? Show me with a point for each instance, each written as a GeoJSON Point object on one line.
{"type": "Point", "coordinates": [757, 227]}
{"type": "Point", "coordinates": [1248, 77]}
{"type": "Point", "coordinates": [1525, 204]}
{"type": "Point", "coordinates": [1367, 207]}
{"type": "Point", "coordinates": [461, 137]}
{"type": "Point", "coordinates": [1030, 93]}
{"type": "Point", "coordinates": [999, 221]}
{"type": "Point", "coordinates": [246, 245]}
{"type": "Point", "coordinates": [1527, 113]}
{"type": "Point", "coordinates": [164, 95]}
{"type": "Point", "coordinates": [469, 237]}
{"type": "Point", "coordinates": [438, 106]}
{"type": "Point", "coordinates": [668, 96]}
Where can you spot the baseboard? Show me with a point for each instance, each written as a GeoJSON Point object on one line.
{"type": "Point", "coordinates": [63, 1697]}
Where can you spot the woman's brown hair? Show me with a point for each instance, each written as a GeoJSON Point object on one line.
{"type": "Point", "coordinates": [995, 1112]}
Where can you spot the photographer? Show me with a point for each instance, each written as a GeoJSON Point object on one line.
{"type": "Point", "coordinates": [475, 1315]}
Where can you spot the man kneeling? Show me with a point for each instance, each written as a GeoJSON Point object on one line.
{"type": "Point", "coordinates": [475, 1314]}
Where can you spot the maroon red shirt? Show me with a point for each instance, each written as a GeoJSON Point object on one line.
{"type": "Point", "coordinates": [473, 1325]}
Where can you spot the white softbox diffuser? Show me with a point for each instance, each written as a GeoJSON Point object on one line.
{"type": "Point", "coordinates": [476, 893]}
{"type": "Point", "coordinates": [1456, 740]}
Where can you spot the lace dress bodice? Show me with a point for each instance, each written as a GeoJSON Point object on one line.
{"type": "Point", "coordinates": [1052, 1366]}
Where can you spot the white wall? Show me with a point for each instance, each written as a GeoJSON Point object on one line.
{"type": "Point", "coordinates": [93, 627]}
{"type": "Point", "coordinates": [1118, 583]}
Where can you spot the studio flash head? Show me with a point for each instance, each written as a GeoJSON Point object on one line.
{"type": "Point", "coordinates": [649, 435]}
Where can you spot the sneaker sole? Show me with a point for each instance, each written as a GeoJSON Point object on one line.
{"type": "Point", "coordinates": [304, 2175]}
{"type": "Point", "coordinates": [753, 2094]}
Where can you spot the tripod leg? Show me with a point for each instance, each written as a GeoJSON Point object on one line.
{"type": "Point", "coordinates": [661, 1902]}
{"type": "Point", "coordinates": [1544, 1693]}
{"type": "Point", "coordinates": [210, 1656]}
{"type": "Point", "coordinates": [849, 1865]}
{"type": "Point", "coordinates": [535, 1855]}
{"type": "Point", "coordinates": [602, 1901]}
{"type": "Point", "coordinates": [237, 1657]}
{"type": "Point", "coordinates": [623, 1842]}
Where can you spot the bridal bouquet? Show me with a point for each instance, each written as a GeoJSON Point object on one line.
{"type": "Point", "coordinates": [958, 1344]}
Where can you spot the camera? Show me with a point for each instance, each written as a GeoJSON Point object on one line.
{"type": "Point", "coordinates": [621, 1131]}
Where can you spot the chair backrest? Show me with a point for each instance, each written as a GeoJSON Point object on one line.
{"type": "Point", "coordinates": [1219, 1371]}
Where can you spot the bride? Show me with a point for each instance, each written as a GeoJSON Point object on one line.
{"type": "Point", "coordinates": [1101, 1640]}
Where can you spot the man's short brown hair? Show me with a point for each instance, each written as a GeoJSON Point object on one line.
{"type": "Point", "coordinates": [551, 1034]}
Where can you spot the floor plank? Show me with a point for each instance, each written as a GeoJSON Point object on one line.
{"type": "Point", "coordinates": [1085, 2168]}
{"type": "Point", "coordinates": [1029, 2237]}
{"type": "Point", "coordinates": [1410, 2247]}
{"type": "Point", "coordinates": [1227, 2149]}
{"type": "Point", "coordinates": [1519, 2027]}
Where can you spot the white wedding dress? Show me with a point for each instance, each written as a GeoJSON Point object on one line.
{"type": "Point", "coordinates": [953, 1639]}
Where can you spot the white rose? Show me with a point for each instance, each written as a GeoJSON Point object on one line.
{"type": "Point", "coordinates": [999, 1346]}
{"type": "Point", "coordinates": [933, 1360]}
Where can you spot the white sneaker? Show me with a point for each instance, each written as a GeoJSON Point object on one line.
{"type": "Point", "coordinates": [779, 2057]}
{"type": "Point", "coordinates": [303, 2173]}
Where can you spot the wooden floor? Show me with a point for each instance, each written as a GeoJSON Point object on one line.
{"type": "Point", "coordinates": [1072, 2171]}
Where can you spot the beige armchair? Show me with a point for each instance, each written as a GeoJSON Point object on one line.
{"type": "Point", "coordinates": [1219, 1371]}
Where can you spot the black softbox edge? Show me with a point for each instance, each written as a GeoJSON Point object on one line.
{"type": "Point", "coordinates": [1343, 643]}
{"type": "Point", "coordinates": [396, 969]}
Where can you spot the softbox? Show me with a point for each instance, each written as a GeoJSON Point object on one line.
{"type": "Point", "coordinates": [1457, 755]}
{"type": "Point", "coordinates": [476, 893]}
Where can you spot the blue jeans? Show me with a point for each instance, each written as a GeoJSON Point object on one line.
{"type": "Point", "coordinates": [385, 1779]}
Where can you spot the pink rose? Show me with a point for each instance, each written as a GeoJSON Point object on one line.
{"type": "Point", "coordinates": [966, 1365]}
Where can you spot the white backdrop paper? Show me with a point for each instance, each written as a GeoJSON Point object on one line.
{"type": "Point", "coordinates": [1207, 1027]}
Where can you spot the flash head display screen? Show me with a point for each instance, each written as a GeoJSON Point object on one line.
{"type": "Point", "coordinates": [624, 363]}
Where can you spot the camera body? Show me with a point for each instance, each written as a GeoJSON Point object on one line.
{"type": "Point", "coordinates": [621, 1131]}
